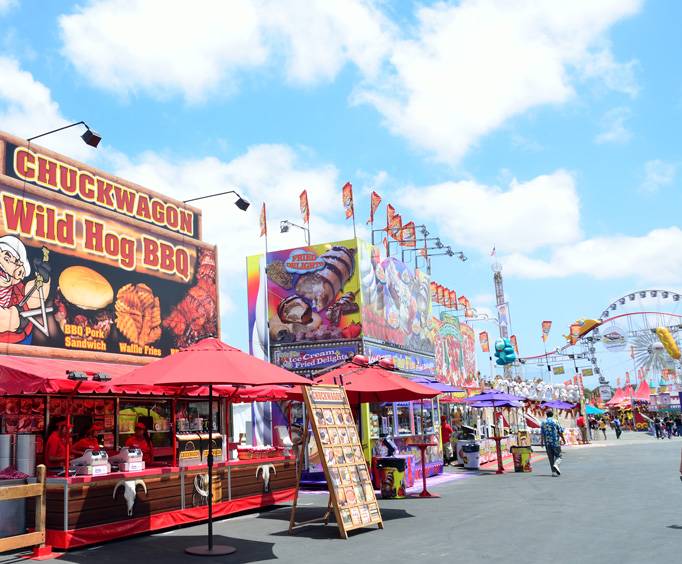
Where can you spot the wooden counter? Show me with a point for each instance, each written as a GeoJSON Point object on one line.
{"type": "Point", "coordinates": [86, 510]}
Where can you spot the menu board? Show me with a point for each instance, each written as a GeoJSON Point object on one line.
{"type": "Point", "coordinates": [350, 486]}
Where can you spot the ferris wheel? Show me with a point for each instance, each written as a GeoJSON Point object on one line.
{"type": "Point", "coordinates": [629, 325]}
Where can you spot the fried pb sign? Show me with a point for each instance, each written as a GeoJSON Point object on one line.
{"type": "Point", "coordinates": [92, 263]}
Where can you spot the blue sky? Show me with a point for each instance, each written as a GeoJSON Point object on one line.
{"type": "Point", "coordinates": [549, 130]}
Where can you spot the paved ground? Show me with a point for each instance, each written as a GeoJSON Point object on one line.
{"type": "Point", "coordinates": [617, 502]}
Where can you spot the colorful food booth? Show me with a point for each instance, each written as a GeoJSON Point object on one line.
{"type": "Point", "coordinates": [98, 276]}
{"type": "Point", "coordinates": [329, 302]}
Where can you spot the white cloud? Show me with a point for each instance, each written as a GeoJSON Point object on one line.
{"type": "Point", "coordinates": [272, 173]}
{"type": "Point", "coordinates": [165, 47]}
{"type": "Point", "coordinates": [613, 126]}
{"type": "Point", "coordinates": [27, 109]}
{"type": "Point", "coordinates": [472, 66]}
{"type": "Point", "coordinates": [541, 212]}
{"type": "Point", "coordinates": [657, 174]}
{"type": "Point", "coordinates": [6, 5]}
{"type": "Point", "coordinates": [653, 257]}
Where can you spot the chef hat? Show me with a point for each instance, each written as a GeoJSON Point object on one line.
{"type": "Point", "coordinates": [17, 249]}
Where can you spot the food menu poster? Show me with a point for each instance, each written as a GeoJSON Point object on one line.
{"type": "Point", "coordinates": [336, 435]}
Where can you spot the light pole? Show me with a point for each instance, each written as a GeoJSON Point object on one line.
{"type": "Point", "coordinates": [285, 224]}
{"type": "Point", "coordinates": [89, 136]}
{"type": "Point", "coordinates": [241, 203]}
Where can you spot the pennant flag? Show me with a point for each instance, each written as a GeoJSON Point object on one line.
{"type": "Point", "coordinates": [263, 223]}
{"type": "Point", "coordinates": [514, 344]}
{"type": "Point", "coordinates": [347, 196]}
{"type": "Point", "coordinates": [395, 227]}
{"type": "Point", "coordinates": [468, 312]}
{"type": "Point", "coordinates": [375, 200]}
{"type": "Point", "coordinates": [409, 235]}
{"type": "Point", "coordinates": [303, 204]}
{"type": "Point", "coordinates": [483, 339]}
{"type": "Point", "coordinates": [463, 301]}
{"type": "Point", "coordinates": [546, 326]}
{"type": "Point", "coordinates": [441, 295]}
{"type": "Point", "coordinates": [627, 378]}
{"type": "Point", "coordinates": [434, 291]}
{"type": "Point", "coordinates": [453, 299]}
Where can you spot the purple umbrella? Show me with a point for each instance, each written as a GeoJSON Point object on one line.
{"type": "Point", "coordinates": [501, 403]}
{"type": "Point", "coordinates": [556, 404]}
{"type": "Point", "coordinates": [435, 385]}
{"type": "Point", "coordinates": [495, 399]}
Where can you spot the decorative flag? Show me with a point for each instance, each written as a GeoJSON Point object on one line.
{"type": "Point", "coordinates": [434, 291]}
{"type": "Point", "coordinates": [627, 378]}
{"type": "Point", "coordinates": [463, 301]}
{"type": "Point", "coordinates": [395, 228]}
{"type": "Point", "coordinates": [303, 204]}
{"type": "Point", "coordinates": [574, 333]}
{"type": "Point", "coordinates": [409, 235]}
{"type": "Point", "coordinates": [483, 338]}
{"type": "Point", "coordinates": [390, 212]}
{"type": "Point", "coordinates": [347, 196]}
{"type": "Point", "coordinates": [546, 326]}
{"type": "Point", "coordinates": [441, 295]}
{"type": "Point", "coordinates": [492, 253]}
{"type": "Point", "coordinates": [468, 312]}
{"type": "Point", "coordinates": [514, 344]}
{"type": "Point", "coordinates": [375, 200]}
{"type": "Point", "coordinates": [263, 223]}
{"type": "Point", "coordinates": [453, 299]}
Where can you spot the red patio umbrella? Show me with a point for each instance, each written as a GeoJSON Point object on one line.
{"type": "Point", "coordinates": [211, 362]}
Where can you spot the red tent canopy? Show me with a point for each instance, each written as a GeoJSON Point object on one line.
{"type": "Point", "coordinates": [617, 398]}
{"type": "Point", "coordinates": [210, 362]}
{"type": "Point", "coordinates": [643, 392]}
{"type": "Point", "coordinates": [373, 384]}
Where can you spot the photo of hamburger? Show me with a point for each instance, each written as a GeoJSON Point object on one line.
{"type": "Point", "coordinates": [84, 299]}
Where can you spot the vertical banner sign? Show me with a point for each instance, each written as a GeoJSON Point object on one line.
{"type": "Point", "coordinates": [375, 200]}
{"type": "Point", "coordinates": [263, 222]}
{"type": "Point", "coordinates": [546, 326]}
{"type": "Point", "coordinates": [347, 196]}
{"type": "Point", "coordinates": [483, 339]}
{"type": "Point", "coordinates": [350, 487]}
{"type": "Point", "coordinates": [503, 315]}
{"type": "Point", "coordinates": [303, 204]}
{"type": "Point", "coordinates": [514, 344]}
{"type": "Point", "coordinates": [409, 235]}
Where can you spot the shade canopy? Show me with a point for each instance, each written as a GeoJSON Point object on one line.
{"type": "Point", "coordinates": [617, 398]}
{"type": "Point", "coordinates": [556, 404]}
{"type": "Point", "coordinates": [592, 410]}
{"type": "Point", "coordinates": [496, 403]}
{"type": "Point", "coordinates": [374, 384]}
{"type": "Point", "coordinates": [643, 392]}
{"type": "Point", "coordinates": [436, 385]}
{"type": "Point", "coordinates": [495, 399]}
{"type": "Point", "coordinates": [211, 362]}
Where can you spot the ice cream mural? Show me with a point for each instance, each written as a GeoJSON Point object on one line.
{"type": "Point", "coordinates": [396, 302]}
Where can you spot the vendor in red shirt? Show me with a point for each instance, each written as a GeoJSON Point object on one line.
{"type": "Point", "coordinates": [87, 440]}
{"type": "Point", "coordinates": [583, 429]}
{"type": "Point", "coordinates": [142, 441]}
{"type": "Point", "coordinates": [446, 433]}
{"type": "Point", "coordinates": [55, 447]}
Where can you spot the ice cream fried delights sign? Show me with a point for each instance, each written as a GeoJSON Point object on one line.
{"type": "Point", "coordinates": [94, 264]}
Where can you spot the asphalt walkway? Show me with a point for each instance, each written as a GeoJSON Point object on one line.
{"type": "Point", "coordinates": [616, 502]}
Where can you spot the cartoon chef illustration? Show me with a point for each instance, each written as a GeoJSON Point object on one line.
{"type": "Point", "coordinates": [17, 296]}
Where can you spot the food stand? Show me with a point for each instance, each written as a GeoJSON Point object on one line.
{"type": "Point", "coordinates": [100, 276]}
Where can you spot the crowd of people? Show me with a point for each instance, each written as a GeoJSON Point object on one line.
{"type": "Point", "coordinates": [667, 427]}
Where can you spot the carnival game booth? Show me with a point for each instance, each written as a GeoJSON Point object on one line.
{"type": "Point", "coordinates": [115, 489]}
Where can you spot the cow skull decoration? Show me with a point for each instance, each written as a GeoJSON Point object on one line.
{"type": "Point", "coordinates": [266, 475]}
{"type": "Point", "coordinates": [129, 492]}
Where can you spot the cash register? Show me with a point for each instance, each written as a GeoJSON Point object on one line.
{"type": "Point", "coordinates": [128, 459]}
{"type": "Point", "coordinates": [92, 463]}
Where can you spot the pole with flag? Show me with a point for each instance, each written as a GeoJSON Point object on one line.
{"type": "Point", "coordinates": [546, 326]}
{"type": "Point", "coordinates": [347, 197]}
{"type": "Point", "coordinates": [374, 202]}
{"type": "Point", "coordinates": [264, 233]}
{"type": "Point", "coordinates": [305, 211]}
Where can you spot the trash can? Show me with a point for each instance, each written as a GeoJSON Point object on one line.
{"type": "Point", "coordinates": [392, 477]}
{"type": "Point", "coordinates": [471, 455]}
{"type": "Point", "coordinates": [521, 456]}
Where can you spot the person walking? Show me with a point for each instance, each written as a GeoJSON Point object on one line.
{"type": "Point", "coordinates": [658, 428]}
{"type": "Point", "coordinates": [583, 429]}
{"type": "Point", "coordinates": [446, 434]}
{"type": "Point", "coordinates": [616, 427]}
{"type": "Point", "coordinates": [602, 426]}
{"type": "Point", "coordinates": [669, 427]}
{"type": "Point", "coordinates": [552, 437]}
{"type": "Point", "coordinates": [678, 425]}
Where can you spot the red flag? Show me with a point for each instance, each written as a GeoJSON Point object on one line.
{"type": "Point", "coordinates": [463, 301]}
{"type": "Point", "coordinates": [434, 291]}
{"type": "Point", "coordinates": [395, 227]}
{"type": "Point", "coordinates": [347, 197]}
{"type": "Point", "coordinates": [627, 378]}
{"type": "Point", "coordinates": [453, 299]}
{"type": "Point", "coordinates": [303, 204]}
{"type": "Point", "coordinates": [546, 326]}
{"type": "Point", "coordinates": [263, 223]}
{"type": "Point", "coordinates": [409, 235]}
{"type": "Point", "coordinates": [375, 200]}
{"type": "Point", "coordinates": [441, 295]}
{"type": "Point", "coordinates": [514, 344]}
{"type": "Point", "coordinates": [485, 344]}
